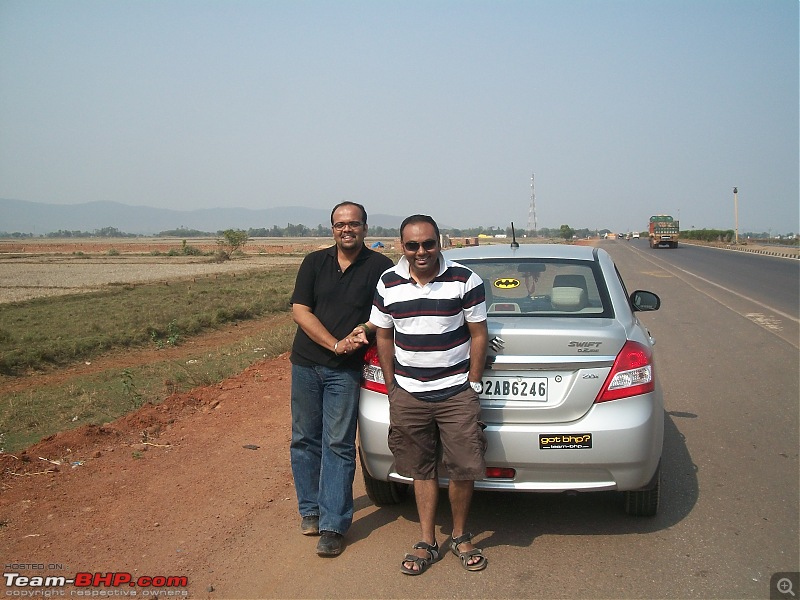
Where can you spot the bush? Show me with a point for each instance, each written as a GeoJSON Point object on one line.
{"type": "Point", "coordinates": [709, 235]}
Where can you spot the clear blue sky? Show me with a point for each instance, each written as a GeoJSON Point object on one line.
{"type": "Point", "coordinates": [622, 109]}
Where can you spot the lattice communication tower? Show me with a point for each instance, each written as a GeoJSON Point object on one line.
{"type": "Point", "coordinates": [531, 230]}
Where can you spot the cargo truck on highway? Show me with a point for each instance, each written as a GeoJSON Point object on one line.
{"type": "Point", "coordinates": [664, 231]}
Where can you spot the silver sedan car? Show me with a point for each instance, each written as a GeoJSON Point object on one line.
{"type": "Point", "coordinates": [570, 398]}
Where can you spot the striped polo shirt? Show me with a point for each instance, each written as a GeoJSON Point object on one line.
{"type": "Point", "coordinates": [431, 336]}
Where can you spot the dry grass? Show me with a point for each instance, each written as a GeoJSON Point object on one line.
{"type": "Point", "coordinates": [27, 278]}
{"type": "Point", "coordinates": [39, 268]}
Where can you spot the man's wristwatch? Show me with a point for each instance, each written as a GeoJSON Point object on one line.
{"type": "Point", "coordinates": [477, 386]}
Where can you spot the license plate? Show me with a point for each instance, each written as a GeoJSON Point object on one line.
{"type": "Point", "coordinates": [531, 389]}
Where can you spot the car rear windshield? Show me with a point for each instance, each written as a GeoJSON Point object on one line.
{"type": "Point", "coordinates": [545, 287]}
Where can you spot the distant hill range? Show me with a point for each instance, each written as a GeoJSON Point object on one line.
{"type": "Point", "coordinates": [19, 216]}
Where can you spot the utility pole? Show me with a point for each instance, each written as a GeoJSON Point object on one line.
{"type": "Point", "coordinates": [736, 214]}
{"type": "Point", "coordinates": [532, 211]}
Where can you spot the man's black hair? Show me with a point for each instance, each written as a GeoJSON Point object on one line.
{"type": "Point", "coordinates": [356, 204]}
{"type": "Point", "coordinates": [419, 219]}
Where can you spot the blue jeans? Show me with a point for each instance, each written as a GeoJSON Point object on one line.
{"type": "Point", "coordinates": [323, 448]}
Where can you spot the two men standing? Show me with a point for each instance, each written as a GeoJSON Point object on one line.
{"type": "Point", "coordinates": [430, 317]}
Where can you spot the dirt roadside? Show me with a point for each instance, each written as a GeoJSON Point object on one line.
{"type": "Point", "coordinates": [199, 486]}
{"type": "Point", "coordinates": [185, 488]}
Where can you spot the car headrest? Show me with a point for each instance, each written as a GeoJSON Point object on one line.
{"type": "Point", "coordinates": [568, 299]}
{"type": "Point", "coordinates": [566, 280]}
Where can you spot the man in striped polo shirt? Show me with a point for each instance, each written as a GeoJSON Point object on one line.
{"type": "Point", "coordinates": [430, 315]}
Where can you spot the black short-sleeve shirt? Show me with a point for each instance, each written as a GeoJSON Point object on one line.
{"type": "Point", "coordinates": [339, 300]}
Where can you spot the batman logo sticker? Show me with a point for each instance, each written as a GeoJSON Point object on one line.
{"type": "Point", "coordinates": [506, 284]}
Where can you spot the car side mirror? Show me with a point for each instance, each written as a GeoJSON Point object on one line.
{"type": "Point", "coordinates": [645, 301]}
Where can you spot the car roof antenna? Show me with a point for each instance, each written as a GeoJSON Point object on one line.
{"type": "Point", "coordinates": [514, 243]}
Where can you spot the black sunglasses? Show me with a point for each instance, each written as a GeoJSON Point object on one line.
{"type": "Point", "coordinates": [414, 246]}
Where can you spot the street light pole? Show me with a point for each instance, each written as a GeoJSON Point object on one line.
{"type": "Point", "coordinates": [736, 213]}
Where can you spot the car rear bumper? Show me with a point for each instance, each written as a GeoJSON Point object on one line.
{"type": "Point", "coordinates": [626, 442]}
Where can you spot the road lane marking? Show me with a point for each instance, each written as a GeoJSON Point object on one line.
{"type": "Point", "coordinates": [765, 321]}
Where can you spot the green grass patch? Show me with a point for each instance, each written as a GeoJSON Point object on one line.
{"type": "Point", "coordinates": [56, 331]}
{"type": "Point", "coordinates": [27, 417]}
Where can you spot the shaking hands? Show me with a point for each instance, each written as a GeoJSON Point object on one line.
{"type": "Point", "coordinates": [354, 340]}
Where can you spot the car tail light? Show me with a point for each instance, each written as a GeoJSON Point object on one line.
{"type": "Point", "coordinates": [371, 374]}
{"type": "Point", "coordinates": [500, 473]}
{"type": "Point", "coordinates": [631, 375]}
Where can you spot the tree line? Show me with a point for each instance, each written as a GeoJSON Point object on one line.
{"type": "Point", "coordinates": [300, 230]}
{"type": "Point", "coordinates": [291, 230]}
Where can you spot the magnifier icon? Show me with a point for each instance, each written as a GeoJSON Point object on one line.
{"type": "Point", "coordinates": [784, 586]}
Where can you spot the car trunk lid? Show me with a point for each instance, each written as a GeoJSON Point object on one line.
{"type": "Point", "coordinates": [547, 370]}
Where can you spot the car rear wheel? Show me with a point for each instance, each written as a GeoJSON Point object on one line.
{"type": "Point", "coordinates": [382, 493]}
{"type": "Point", "coordinates": [644, 503]}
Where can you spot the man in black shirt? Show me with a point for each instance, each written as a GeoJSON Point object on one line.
{"type": "Point", "coordinates": [332, 297]}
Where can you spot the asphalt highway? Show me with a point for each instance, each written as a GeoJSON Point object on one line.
{"type": "Point", "coordinates": [765, 287]}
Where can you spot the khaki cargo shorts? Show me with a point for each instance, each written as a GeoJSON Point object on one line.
{"type": "Point", "coordinates": [420, 433]}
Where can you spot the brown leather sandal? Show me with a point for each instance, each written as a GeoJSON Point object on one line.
{"type": "Point", "coordinates": [479, 565]}
{"type": "Point", "coordinates": [422, 563]}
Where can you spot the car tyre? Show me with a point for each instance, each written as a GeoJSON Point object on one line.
{"type": "Point", "coordinates": [382, 493]}
{"type": "Point", "coordinates": [644, 503]}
